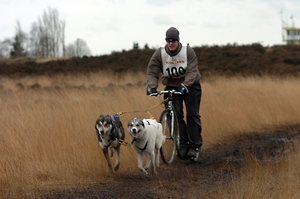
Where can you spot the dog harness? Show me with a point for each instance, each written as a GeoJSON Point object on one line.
{"type": "Point", "coordinates": [142, 149]}
{"type": "Point", "coordinates": [116, 118]}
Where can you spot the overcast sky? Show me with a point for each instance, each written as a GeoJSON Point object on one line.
{"type": "Point", "coordinates": [113, 25]}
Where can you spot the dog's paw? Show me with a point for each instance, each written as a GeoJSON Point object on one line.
{"type": "Point", "coordinates": [116, 167]}
{"type": "Point", "coordinates": [110, 172]}
{"type": "Point", "coordinates": [144, 171]}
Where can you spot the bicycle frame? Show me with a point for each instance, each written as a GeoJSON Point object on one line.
{"type": "Point", "coordinates": [173, 115]}
{"type": "Point", "coordinates": [170, 128]}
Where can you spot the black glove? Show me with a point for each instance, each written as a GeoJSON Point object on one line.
{"type": "Point", "coordinates": [182, 89]}
{"type": "Point", "coordinates": [152, 91]}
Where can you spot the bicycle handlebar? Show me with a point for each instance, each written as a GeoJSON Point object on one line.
{"type": "Point", "coordinates": [165, 92]}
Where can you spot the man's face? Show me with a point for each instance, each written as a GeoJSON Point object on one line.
{"type": "Point", "coordinates": [172, 44]}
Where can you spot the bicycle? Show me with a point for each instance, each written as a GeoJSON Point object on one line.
{"type": "Point", "coordinates": [170, 126]}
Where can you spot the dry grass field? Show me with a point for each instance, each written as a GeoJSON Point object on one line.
{"type": "Point", "coordinates": [48, 144]}
{"type": "Point", "coordinates": [266, 179]}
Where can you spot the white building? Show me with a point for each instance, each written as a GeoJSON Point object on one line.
{"type": "Point", "coordinates": [290, 34]}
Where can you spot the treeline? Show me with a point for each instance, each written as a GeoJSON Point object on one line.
{"type": "Point", "coordinates": [46, 39]}
{"type": "Point", "coordinates": [225, 60]}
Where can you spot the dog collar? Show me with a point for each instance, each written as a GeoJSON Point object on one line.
{"type": "Point", "coordinates": [107, 145]}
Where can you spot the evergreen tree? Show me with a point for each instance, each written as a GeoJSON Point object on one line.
{"type": "Point", "coordinates": [17, 50]}
{"type": "Point", "coordinates": [146, 47]}
{"type": "Point", "coordinates": [18, 43]}
{"type": "Point", "coordinates": [135, 45]}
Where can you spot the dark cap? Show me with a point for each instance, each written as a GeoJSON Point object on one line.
{"type": "Point", "coordinates": [172, 33]}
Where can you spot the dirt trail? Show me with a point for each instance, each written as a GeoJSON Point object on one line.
{"type": "Point", "coordinates": [185, 179]}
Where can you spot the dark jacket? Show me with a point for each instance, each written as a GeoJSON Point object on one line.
{"type": "Point", "coordinates": [155, 68]}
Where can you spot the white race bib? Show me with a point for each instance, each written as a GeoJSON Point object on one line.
{"type": "Point", "coordinates": [174, 67]}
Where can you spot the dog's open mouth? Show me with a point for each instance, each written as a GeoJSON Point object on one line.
{"type": "Point", "coordinates": [102, 135]}
{"type": "Point", "coordinates": [134, 134]}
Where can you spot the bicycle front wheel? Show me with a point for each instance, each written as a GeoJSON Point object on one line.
{"type": "Point", "coordinates": [170, 132]}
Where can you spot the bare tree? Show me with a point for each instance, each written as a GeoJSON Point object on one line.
{"type": "Point", "coordinates": [47, 35]}
{"type": "Point", "coordinates": [78, 49]}
{"type": "Point", "coordinates": [82, 48]}
{"type": "Point", "coordinates": [5, 48]}
{"type": "Point", "coordinates": [70, 50]}
{"type": "Point", "coordinates": [35, 49]}
{"type": "Point", "coordinates": [63, 27]}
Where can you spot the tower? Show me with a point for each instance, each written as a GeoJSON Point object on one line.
{"type": "Point", "coordinates": [290, 33]}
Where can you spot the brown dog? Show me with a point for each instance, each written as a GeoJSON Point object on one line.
{"type": "Point", "coordinates": [110, 131]}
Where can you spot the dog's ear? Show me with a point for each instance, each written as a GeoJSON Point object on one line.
{"type": "Point", "coordinates": [130, 122]}
{"type": "Point", "coordinates": [97, 121]}
{"type": "Point", "coordinates": [100, 118]}
{"type": "Point", "coordinates": [142, 123]}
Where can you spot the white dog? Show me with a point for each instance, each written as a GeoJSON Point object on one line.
{"type": "Point", "coordinates": [146, 137]}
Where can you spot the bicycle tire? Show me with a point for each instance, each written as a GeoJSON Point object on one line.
{"type": "Point", "coordinates": [171, 144]}
{"type": "Point", "coordinates": [176, 127]}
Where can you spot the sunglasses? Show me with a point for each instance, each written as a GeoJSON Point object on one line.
{"type": "Point", "coordinates": [171, 40]}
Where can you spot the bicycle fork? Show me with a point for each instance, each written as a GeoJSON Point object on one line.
{"type": "Point", "coordinates": [173, 134]}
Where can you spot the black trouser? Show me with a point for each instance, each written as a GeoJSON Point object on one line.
{"type": "Point", "coordinates": [190, 131]}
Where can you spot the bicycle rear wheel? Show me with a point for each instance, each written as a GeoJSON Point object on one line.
{"type": "Point", "coordinates": [168, 149]}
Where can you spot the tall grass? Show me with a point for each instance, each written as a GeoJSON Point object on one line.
{"type": "Point", "coordinates": [265, 180]}
{"type": "Point", "coordinates": [237, 105]}
{"type": "Point", "coordinates": [47, 136]}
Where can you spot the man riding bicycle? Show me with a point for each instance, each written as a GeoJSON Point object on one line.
{"type": "Point", "coordinates": [178, 64]}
